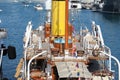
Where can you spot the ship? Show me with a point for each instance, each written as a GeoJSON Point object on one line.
{"type": "Point", "coordinates": [52, 52]}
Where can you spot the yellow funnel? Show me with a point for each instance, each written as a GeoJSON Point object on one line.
{"type": "Point", "coordinates": [58, 17]}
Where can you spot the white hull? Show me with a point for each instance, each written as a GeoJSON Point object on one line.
{"type": "Point", "coordinates": [3, 33]}
{"type": "Point", "coordinates": [1, 10]}
{"type": "Point", "coordinates": [38, 7]}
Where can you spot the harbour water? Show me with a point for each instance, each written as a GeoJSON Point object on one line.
{"type": "Point", "coordinates": [15, 16]}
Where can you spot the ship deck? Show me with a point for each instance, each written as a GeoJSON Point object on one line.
{"type": "Point", "coordinates": [75, 63]}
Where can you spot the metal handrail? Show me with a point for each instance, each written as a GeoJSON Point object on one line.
{"type": "Point", "coordinates": [107, 50]}
{"type": "Point", "coordinates": [28, 67]}
{"type": "Point", "coordinates": [28, 33]}
{"type": "Point", "coordinates": [114, 58]}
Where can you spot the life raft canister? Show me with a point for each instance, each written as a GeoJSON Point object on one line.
{"type": "Point", "coordinates": [11, 52]}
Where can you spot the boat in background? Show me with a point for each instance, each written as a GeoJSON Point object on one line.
{"type": "Point", "coordinates": [54, 52]}
{"type": "Point", "coordinates": [3, 33]}
{"type": "Point", "coordinates": [97, 6]}
{"type": "Point", "coordinates": [75, 4]}
{"type": "Point", "coordinates": [15, 1]}
{"type": "Point", "coordinates": [1, 10]}
{"type": "Point", "coordinates": [0, 21]}
{"type": "Point", "coordinates": [26, 3]}
{"type": "Point", "coordinates": [38, 7]}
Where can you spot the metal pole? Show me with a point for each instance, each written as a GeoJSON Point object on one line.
{"type": "Point", "coordinates": [25, 62]}
{"type": "Point", "coordinates": [27, 34]}
{"type": "Point", "coordinates": [1, 57]}
{"type": "Point", "coordinates": [1, 63]}
{"type": "Point", "coordinates": [66, 24]}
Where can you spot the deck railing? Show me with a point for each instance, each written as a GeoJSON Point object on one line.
{"type": "Point", "coordinates": [28, 67]}
{"type": "Point", "coordinates": [117, 61]}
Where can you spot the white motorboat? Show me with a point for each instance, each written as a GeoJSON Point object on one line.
{"type": "Point", "coordinates": [38, 7]}
{"type": "Point", "coordinates": [75, 4]}
{"type": "Point", "coordinates": [1, 10]}
{"type": "Point", "coordinates": [3, 33]}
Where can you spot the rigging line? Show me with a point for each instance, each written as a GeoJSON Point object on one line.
{"type": "Point", "coordinates": [79, 20]}
{"type": "Point", "coordinates": [89, 15]}
{"type": "Point", "coordinates": [73, 16]}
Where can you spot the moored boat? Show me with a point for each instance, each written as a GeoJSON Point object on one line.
{"type": "Point", "coordinates": [75, 4]}
{"type": "Point", "coordinates": [52, 52]}
{"type": "Point", "coordinates": [1, 10]}
{"type": "Point", "coordinates": [3, 33]}
{"type": "Point", "coordinates": [38, 7]}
